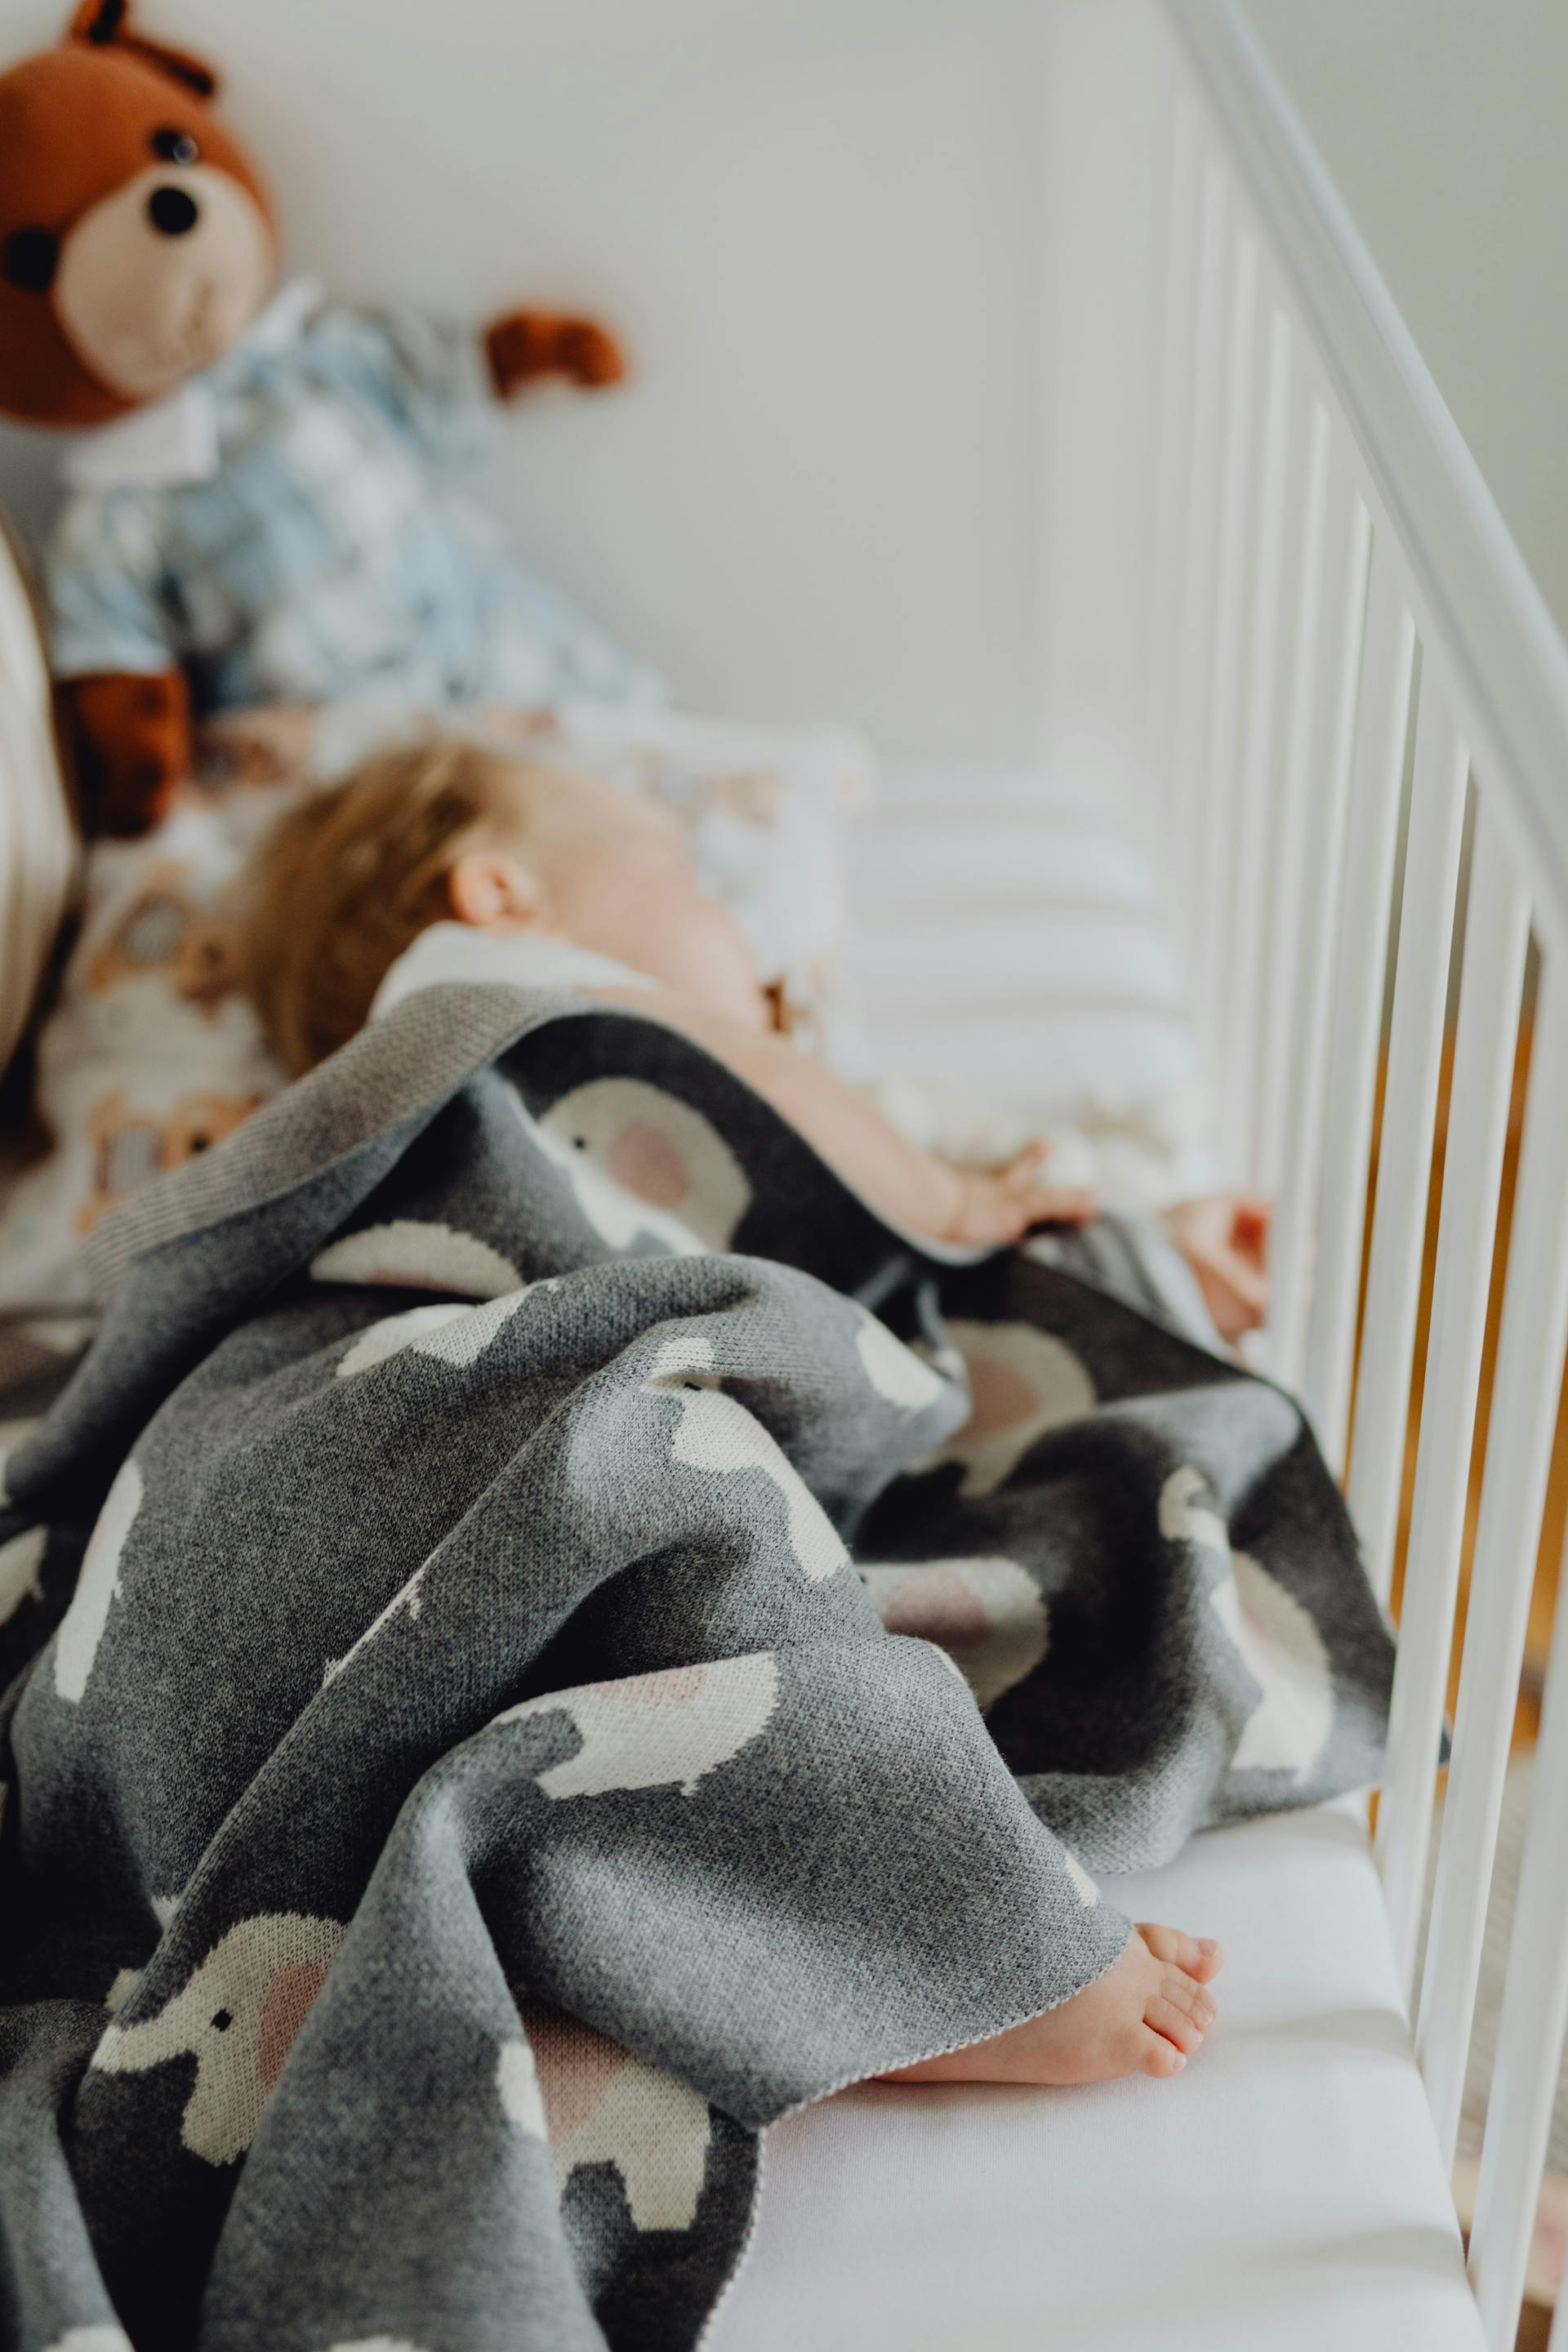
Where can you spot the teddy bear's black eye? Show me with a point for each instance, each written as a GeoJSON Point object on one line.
{"type": "Point", "coordinates": [176, 147]}
{"type": "Point", "coordinates": [28, 258]}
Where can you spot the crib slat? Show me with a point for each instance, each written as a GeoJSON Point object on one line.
{"type": "Point", "coordinates": [1382, 718]}
{"type": "Point", "coordinates": [1173, 480]}
{"type": "Point", "coordinates": [1496, 930]}
{"type": "Point", "coordinates": [1200, 539]}
{"type": "Point", "coordinates": [1523, 1415]}
{"type": "Point", "coordinates": [1305, 519]}
{"type": "Point", "coordinates": [1534, 2020]}
{"type": "Point", "coordinates": [1259, 774]}
{"type": "Point", "coordinates": [1217, 796]}
{"type": "Point", "coordinates": [1337, 670]}
{"type": "Point", "coordinates": [1415, 1053]}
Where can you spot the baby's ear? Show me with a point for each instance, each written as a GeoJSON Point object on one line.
{"type": "Point", "coordinates": [493, 892]}
{"type": "Point", "coordinates": [106, 25]}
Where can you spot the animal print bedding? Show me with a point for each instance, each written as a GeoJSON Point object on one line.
{"type": "Point", "coordinates": [547, 1637]}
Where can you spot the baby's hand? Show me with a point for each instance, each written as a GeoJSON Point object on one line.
{"type": "Point", "coordinates": [1224, 1239]}
{"type": "Point", "coordinates": [1002, 1204]}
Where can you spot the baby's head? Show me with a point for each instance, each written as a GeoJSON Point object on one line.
{"type": "Point", "coordinates": [448, 831]}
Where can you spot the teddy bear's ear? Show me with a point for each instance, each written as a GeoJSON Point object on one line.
{"type": "Point", "coordinates": [106, 24]}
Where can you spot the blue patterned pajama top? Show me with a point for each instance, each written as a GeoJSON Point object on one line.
{"type": "Point", "coordinates": [293, 526]}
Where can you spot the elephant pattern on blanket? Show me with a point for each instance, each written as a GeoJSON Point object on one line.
{"type": "Point", "coordinates": [546, 1636]}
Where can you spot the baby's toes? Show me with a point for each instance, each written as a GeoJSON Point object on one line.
{"type": "Point", "coordinates": [1159, 2056]}
{"type": "Point", "coordinates": [1199, 1957]}
{"type": "Point", "coordinates": [1194, 1999]}
{"type": "Point", "coordinates": [1177, 2024]}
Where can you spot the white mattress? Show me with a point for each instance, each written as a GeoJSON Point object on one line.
{"type": "Point", "coordinates": [1285, 2191]}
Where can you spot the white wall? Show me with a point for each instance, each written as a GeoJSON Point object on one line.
{"type": "Point", "coordinates": [818, 223]}
{"type": "Point", "coordinates": [885, 265]}
{"type": "Point", "coordinates": [1105, 143]}
{"type": "Point", "coordinates": [1444, 123]}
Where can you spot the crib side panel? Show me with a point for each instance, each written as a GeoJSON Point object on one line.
{"type": "Point", "coordinates": [1372, 842]}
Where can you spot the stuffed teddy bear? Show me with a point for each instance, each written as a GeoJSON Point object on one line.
{"type": "Point", "coordinates": [261, 486]}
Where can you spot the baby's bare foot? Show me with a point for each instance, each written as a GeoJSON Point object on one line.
{"type": "Point", "coordinates": [1145, 2015]}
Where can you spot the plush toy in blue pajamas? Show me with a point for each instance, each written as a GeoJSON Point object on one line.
{"type": "Point", "coordinates": [292, 525]}
{"type": "Point", "coordinates": [264, 496]}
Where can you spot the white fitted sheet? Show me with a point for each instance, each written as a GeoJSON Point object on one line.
{"type": "Point", "coordinates": [1285, 2191]}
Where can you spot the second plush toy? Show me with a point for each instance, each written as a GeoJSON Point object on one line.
{"type": "Point", "coordinates": [263, 488]}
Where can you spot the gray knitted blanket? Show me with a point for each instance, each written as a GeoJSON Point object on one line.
{"type": "Point", "coordinates": [546, 1636]}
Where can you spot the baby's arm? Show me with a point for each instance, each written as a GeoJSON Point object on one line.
{"type": "Point", "coordinates": [906, 1184]}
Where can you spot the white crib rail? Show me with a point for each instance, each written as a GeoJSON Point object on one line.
{"type": "Point", "coordinates": [1347, 654]}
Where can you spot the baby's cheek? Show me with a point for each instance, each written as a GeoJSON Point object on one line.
{"type": "Point", "coordinates": [657, 921]}
{"type": "Point", "coordinates": [630, 914]}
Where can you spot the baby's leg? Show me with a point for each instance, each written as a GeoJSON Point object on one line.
{"type": "Point", "coordinates": [1146, 2015]}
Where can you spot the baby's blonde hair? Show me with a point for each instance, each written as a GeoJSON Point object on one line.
{"type": "Point", "coordinates": [353, 874]}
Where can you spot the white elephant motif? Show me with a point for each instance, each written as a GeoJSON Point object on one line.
{"type": "Point", "coordinates": [1022, 1382]}
{"type": "Point", "coordinates": [1188, 1514]}
{"type": "Point", "coordinates": [643, 1162]}
{"type": "Point", "coordinates": [987, 1615]}
{"type": "Point", "coordinates": [1277, 1638]}
{"type": "Point", "coordinates": [594, 2102]}
{"type": "Point", "coordinates": [375, 2344]}
{"type": "Point", "coordinates": [654, 1731]}
{"type": "Point", "coordinates": [408, 1254]}
{"type": "Point", "coordinates": [457, 1336]}
{"type": "Point", "coordinates": [237, 2015]}
{"type": "Point", "coordinates": [716, 1433]}
{"type": "Point", "coordinates": [83, 1625]}
{"type": "Point", "coordinates": [894, 1371]}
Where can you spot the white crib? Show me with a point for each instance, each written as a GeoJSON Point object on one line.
{"type": "Point", "coordinates": [1289, 629]}
{"type": "Point", "coordinates": [1350, 746]}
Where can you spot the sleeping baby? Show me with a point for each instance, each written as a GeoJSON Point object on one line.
{"type": "Point", "coordinates": [425, 859]}
{"type": "Point", "coordinates": [445, 861]}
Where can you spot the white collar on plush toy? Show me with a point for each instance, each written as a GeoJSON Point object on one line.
{"type": "Point", "coordinates": [176, 440]}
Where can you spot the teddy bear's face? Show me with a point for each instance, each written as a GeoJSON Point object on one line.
{"type": "Point", "coordinates": [158, 279]}
{"type": "Point", "coordinates": [135, 240]}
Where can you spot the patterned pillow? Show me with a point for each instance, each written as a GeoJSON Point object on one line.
{"type": "Point", "coordinates": [153, 1052]}
{"type": "Point", "coordinates": [37, 839]}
